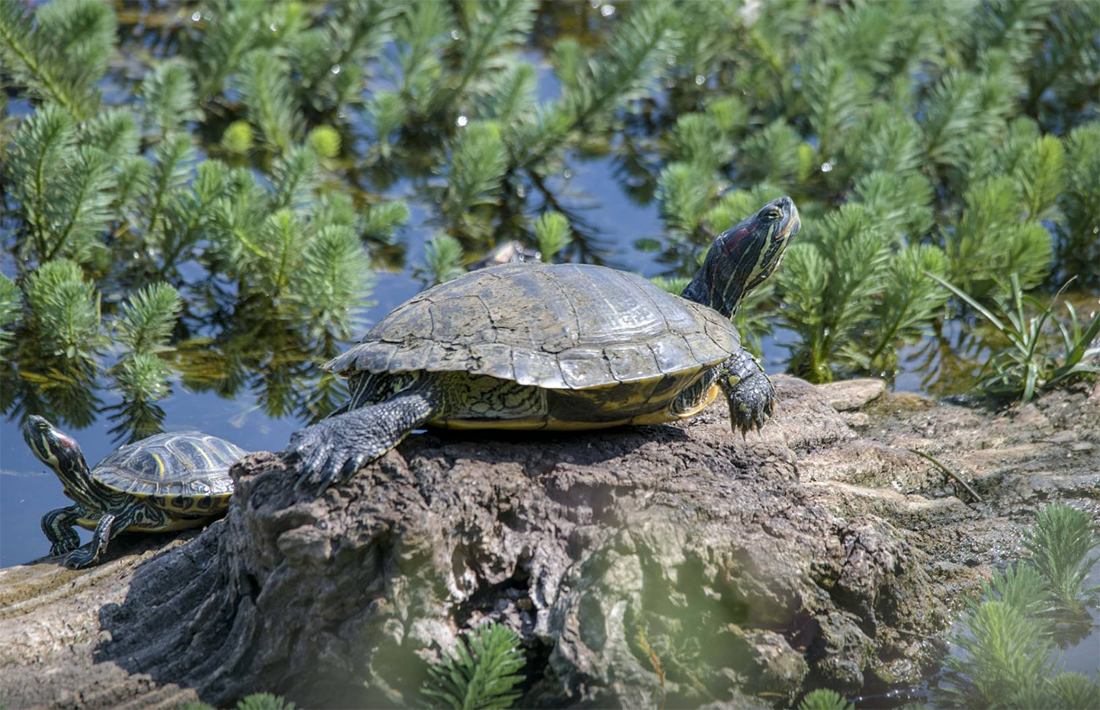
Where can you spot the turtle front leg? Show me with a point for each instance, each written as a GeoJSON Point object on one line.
{"type": "Point", "coordinates": [748, 390]}
{"type": "Point", "coordinates": [90, 553]}
{"type": "Point", "coordinates": [339, 446]}
{"type": "Point", "coordinates": [108, 528]}
{"type": "Point", "coordinates": [59, 526]}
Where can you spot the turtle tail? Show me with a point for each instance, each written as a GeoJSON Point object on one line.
{"type": "Point", "coordinates": [337, 447]}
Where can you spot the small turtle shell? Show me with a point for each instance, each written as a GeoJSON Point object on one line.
{"type": "Point", "coordinates": [563, 326]}
{"type": "Point", "coordinates": [182, 470]}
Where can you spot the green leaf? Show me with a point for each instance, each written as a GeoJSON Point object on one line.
{"type": "Point", "coordinates": [169, 96]}
{"type": "Point", "coordinates": [825, 700]}
{"type": "Point", "coordinates": [482, 675]}
{"type": "Point", "coordinates": [266, 92]}
{"type": "Point", "coordinates": [148, 317]}
{"type": "Point", "coordinates": [64, 313]}
{"type": "Point", "coordinates": [553, 233]}
{"type": "Point", "coordinates": [11, 307]}
{"type": "Point", "coordinates": [443, 260]}
{"type": "Point", "coordinates": [478, 162]}
{"type": "Point", "coordinates": [264, 701]}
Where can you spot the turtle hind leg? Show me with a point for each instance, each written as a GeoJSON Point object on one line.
{"type": "Point", "coordinates": [58, 526]}
{"type": "Point", "coordinates": [338, 446]}
{"type": "Point", "coordinates": [748, 390]}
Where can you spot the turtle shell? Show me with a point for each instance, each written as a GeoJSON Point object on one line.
{"type": "Point", "coordinates": [180, 469]}
{"type": "Point", "coordinates": [563, 326]}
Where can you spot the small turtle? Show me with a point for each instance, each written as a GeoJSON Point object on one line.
{"type": "Point", "coordinates": [540, 346]}
{"type": "Point", "coordinates": [165, 482]}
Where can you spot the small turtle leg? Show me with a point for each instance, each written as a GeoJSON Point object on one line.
{"type": "Point", "coordinates": [108, 528]}
{"type": "Point", "coordinates": [59, 528]}
{"type": "Point", "coordinates": [90, 553]}
{"type": "Point", "coordinates": [338, 446]}
{"type": "Point", "coordinates": [748, 390]}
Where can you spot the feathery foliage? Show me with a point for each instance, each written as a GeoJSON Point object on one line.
{"type": "Point", "coordinates": [552, 233]}
{"type": "Point", "coordinates": [65, 312]}
{"type": "Point", "coordinates": [483, 673]}
{"type": "Point", "coordinates": [824, 699]}
{"type": "Point", "coordinates": [11, 307]}
{"type": "Point", "coordinates": [443, 260]}
{"type": "Point", "coordinates": [60, 51]}
{"type": "Point", "coordinates": [1005, 656]}
{"type": "Point", "coordinates": [1062, 543]}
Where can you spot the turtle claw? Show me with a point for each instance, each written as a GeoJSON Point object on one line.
{"type": "Point", "coordinates": [351, 466]}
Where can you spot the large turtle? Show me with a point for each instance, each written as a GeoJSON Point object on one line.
{"type": "Point", "coordinates": [567, 346]}
{"type": "Point", "coordinates": [165, 482]}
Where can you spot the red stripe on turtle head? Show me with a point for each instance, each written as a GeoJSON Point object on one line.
{"type": "Point", "coordinates": [731, 240]}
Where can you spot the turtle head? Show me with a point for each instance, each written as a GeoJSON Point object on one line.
{"type": "Point", "coordinates": [743, 256]}
{"type": "Point", "coordinates": [56, 449]}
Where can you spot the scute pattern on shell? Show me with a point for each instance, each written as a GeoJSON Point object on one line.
{"type": "Point", "coordinates": [564, 326]}
{"type": "Point", "coordinates": [177, 464]}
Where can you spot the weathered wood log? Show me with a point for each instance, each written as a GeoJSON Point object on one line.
{"type": "Point", "coordinates": [672, 566]}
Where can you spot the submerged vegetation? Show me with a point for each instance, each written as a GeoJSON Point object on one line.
{"type": "Point", "coordinates": [259, 160]}
{"type": "Point", "coordinates": [1008, 639]}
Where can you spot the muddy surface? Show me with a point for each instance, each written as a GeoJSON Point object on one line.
{"type": "Point", "coordinates": [665, 566]}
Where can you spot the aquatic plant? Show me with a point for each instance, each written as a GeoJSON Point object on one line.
{"type": "Point", "coordinates": [444, 260]}
{"type": "Point", "coordinates": [1002, 653]}
{"type": "Point", "coordinates": [1062, 543]}
{"type": "Point", "coordinates": [263, 140]}
{"type": "Point", "coordinates": [483, 673]}
{"type": "Point", "coordinates": [824, 699]}
{"type": "Point", "coordinates": [1006, 655]}
{"type": "Point", "coordinates": [1030, 363]}
{"type": "Point", "coordinates": [552, 234]}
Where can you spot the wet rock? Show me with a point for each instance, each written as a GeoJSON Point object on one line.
{"type": "Point", "coordinates": [852, 394]}
{"type": "Point", "coordinates": [664, 566]}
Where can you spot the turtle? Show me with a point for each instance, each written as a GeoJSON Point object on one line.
{"type": "Point", "coordinates": [162, 483]}
{"type": "Point", "coordinates": [553, 346]}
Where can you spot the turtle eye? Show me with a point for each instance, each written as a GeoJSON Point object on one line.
{"type": "Point", "coordinates": [772, 214]}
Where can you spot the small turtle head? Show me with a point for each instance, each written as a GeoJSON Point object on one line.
{"type": "Point", "coordinates": [54, 448]}
{"type": "Point", "coordinates": [743, 256]}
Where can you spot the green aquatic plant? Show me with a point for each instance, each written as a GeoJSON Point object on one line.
{"type": "Point", "coordinates": [1065, 691]}
{"type": "Point", "coordinates": [824, 699]}
{"type": "Point", "coordinates": [552, 234]}
{"type": "Point", "coordinates": [1079, 231]}
{"type": "Point", "coordinates": [1002, 653]}
{"type": "Point", "coordinates": [60, 51]}
{"type": "Point", "coordinates": [1029, 364]}
{"type": "Point", "coordinates": [10, 308]}
{"type": "Point", "coordinates": [1005, 654]}
{"type": "Point", "coordinates": [483, 673]}
{"type": "Point", "coordinates": [144, 328]}
{"type": "Point", "coordinates": [444, 259]}
{"type": "Point", "coordinates": [1062, 543]}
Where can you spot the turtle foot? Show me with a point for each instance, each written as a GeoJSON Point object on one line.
{"type": "Point", "coordinates": [752, 401]}
{"type": "Point", "coordinates": [331, 450]}
{"type": "Point", "coordinates": [67, 544]}
{"type": "Point", "coordinates": [80, 558]}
